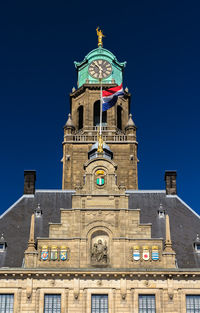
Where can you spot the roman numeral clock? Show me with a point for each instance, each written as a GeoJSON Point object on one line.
{"type": "Point", "coordinates": [100, 69]}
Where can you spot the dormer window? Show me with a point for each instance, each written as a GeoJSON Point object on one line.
{"type": "Point", "coordinates": [161, 211]}
{"type": "Point", "coordinates": [2, 247]}
{"type": "Point", "coordinates": [197, 244]}
{"type": "Point", "coordinates": [38, 211]}
{"type": "Point", "coordinates": [3, 244]}
{"type": "Point", "coordinates": [197, 247]}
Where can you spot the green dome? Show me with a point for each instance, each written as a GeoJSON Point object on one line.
{"type": "Point", "coordinates": [103, 54]}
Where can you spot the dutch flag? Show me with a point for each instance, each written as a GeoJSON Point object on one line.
{"type": "Point", "coordinates": [110, 96]}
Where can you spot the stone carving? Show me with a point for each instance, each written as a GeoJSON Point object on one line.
{"type": "Point", "coordinates": [99, 253]}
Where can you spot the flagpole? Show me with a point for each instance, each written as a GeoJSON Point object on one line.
{"type": "Point", "coordinates": [100, 130]}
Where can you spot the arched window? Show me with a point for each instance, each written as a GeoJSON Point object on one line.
{"type": "Point", "coordinates": [119, 117]}
{"type": "Point", "coordinates": [80, 117]}
{"type": "Point", "coordinates": [97, 115]}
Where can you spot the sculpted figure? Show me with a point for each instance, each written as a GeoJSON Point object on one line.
{"type": "Point", "coordinates": [100, 144]}
{"type": "Point", "coordinates": [100, 36]}
{"type": "Point", "coordinates": [99, 252]}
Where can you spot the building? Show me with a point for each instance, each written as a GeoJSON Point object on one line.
{"type": "Point", "coordinates": [99, 245]}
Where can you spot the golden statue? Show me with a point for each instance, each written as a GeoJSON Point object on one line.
{"type": "Point", "coordinates": [100, 144]}
{"type": "Point", "coordinates": [100, 36]}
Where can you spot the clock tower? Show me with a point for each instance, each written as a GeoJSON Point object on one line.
{"type": "Point", "coordinates": [99, 69]}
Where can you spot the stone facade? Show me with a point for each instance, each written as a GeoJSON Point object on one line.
{"type": "Point", "coordinates": [123, 288]}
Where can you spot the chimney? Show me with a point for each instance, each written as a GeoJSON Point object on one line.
{"type": "Point", "coordinates": [29, 182]}
{"type": "Point", "coordinates": [170, 182]}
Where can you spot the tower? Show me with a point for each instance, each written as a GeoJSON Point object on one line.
{"type": "Point", "coordinates": [100, 68]}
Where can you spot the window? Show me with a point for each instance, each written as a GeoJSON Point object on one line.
{"type": "Point", "coordinates": [97, 115]}
{"type": "Point", "coordinates": [6, 303]}
{"type": "Point", "coordinates": [52, 304]}
{"type": "Point", "coordinates": [99, 304]}
{"type": "Point", "coordinates": [197, 247]}
{"type": "Point", "coordinates": [80, 117]}
{"type": "Point", "coordinates": [119, 117]}
{"type": "Point", "coordinates": [147, 304]}
{"type": "Point", "coordinates": [193, 304]}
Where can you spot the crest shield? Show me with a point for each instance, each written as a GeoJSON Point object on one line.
{"type": "Point", "coordinates": [44, 253]}
{"type": "Point", "coordinates": [54, 253]}
{"type": "Point", "coordinates": [136, 253]}
{"type": "Point", "coordinates": [145, 253]}
{"type": "Point", "coordinates": [155, 253]}
{"type": "Point", "coordinates": [100, 179]}
{"type": "Point", "coordinates": [63, 254]}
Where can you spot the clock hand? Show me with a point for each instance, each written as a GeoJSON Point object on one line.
{"type": "Point", "coordinates": [95, 63]}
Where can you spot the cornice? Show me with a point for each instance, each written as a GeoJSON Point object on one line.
{"type": "Point", "coordinates": [82, 89]}
{"type": "Point", "coordinates": [49, 273]}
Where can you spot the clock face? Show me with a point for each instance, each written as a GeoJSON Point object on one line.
{"type": "Point", "coordinates": [100, 69]}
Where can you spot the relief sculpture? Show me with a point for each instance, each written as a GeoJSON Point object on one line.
{"type": "Point", "coordinates": [99, 253]}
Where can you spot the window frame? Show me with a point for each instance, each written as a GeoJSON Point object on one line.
{"type": "Point", "coordinates": [150, 291]}
{"type": "Point", "coordinates": [7, 294]}
{"type": "Point", "coordinates": [194, 309]}
{"type": "Point", "coordinates": [52, 295]}
{"type": "Point", "coordinates": [44, 291]}
{"type": "Point", "coordinates": [100, 296]}
{"type": "Point", "coordinates": [147, 310]}
{"type": "Point", "coordinates": [98, 291]}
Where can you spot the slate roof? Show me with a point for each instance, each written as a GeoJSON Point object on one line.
{"type": "Point", "coordinates": [15, 222]}
{"type": "Point", "coordinates": [184, 222]}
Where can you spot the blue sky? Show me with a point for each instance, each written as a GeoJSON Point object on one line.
{"type": "Point", "coordinates": [39, 43]}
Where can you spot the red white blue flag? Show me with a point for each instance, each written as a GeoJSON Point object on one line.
{"type": "Point", "coordinates": [110, 96]}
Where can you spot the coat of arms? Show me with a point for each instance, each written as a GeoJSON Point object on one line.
{"type": "Point", "coordinates": [155, 253]}
{"type": "Point", "coordinates": [44, 253]}
{"type": "Point", "coordinates": [145, 254]}
{"type": "Point", "coordinates": [100, 180]}
{"type": "Point", "coordinates": [63, 253]}
{"type": "Point", "coordinates": [136, 253]}
{"type": "Point", "coordinates": [54, 253]}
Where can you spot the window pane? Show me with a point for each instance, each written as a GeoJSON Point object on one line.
{"type": "Point", "coordinates": [52, 304]}
{"type": "Point", "coordinates": [193, 304]}
{"type": "Point", "coordinates": [6, 303]}
{"type": "Point", "coordinates": [147, 304]}
{"type": "Point", "coordinates": [99, 304]}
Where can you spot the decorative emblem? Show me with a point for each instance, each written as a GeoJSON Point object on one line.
{"type": "Point", "coordinates": [155, 253]}
{"type": "Point", "coordinates": [54, 253]}
{"type": "Point", "coordinates": [100, 180]}
{"type": "Point", "coordinates": [99, 253]}
{"type": "Point", "coordinates": [136, 253]}
{"type": "Point", "coordinates": [44, 253]}
{"type": "Point", "coordinates": [145, 253]}
{"type": "Point", "coordinates": [63, 253]}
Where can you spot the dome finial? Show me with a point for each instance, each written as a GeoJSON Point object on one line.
{"type": "Point", "coordinates": [100, 36]}
{"type": "Point", "coordinates": [69, 122]}
{"type": "Point", "coordinates": [130, 122]}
